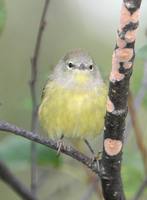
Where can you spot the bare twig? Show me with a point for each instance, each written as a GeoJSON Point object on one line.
{"type": "Point", "coordinates": [14, 183]}
{"type": "Point", "coordinates": [122, 63]}
{"type": "Point", "coordinates": [141, 189]}
{"type": "Point", "coordinates": [137, 131]}
{"type": "Point", "coordinates": [68, 150]}
{"type": "Point", "coordinates": [34, 65]}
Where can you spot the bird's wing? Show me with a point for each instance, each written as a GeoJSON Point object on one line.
{"type": "Point", "coordinates": [43, 92]}
{"type": "Point", "coordinates": [44, 88]}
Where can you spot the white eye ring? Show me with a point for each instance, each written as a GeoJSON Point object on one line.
{"type": "Point", "coordinates": [91, 67]}
{"type": "Point", "coordinates": [70, 65]}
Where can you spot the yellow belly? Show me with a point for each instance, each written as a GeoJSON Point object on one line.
{"type": "Point", "coordinates": [76, 113]}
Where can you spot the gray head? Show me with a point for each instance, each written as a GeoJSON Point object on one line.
{"type": "Point", "coordinates": [75, 65]}
{"type": "Point", "coordinates": [79, 59]}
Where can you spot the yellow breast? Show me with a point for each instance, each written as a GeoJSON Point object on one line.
{"type": "Point", "coordinates": [73, 112]}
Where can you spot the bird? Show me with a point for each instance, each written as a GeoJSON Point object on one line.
{"type": "Point", "coordinates": [73, 101]}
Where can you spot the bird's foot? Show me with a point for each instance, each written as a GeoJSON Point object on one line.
{"type": "Point", "coordinates": [97, 157]}
{"type": "Point", "coordinates": [60, 145]}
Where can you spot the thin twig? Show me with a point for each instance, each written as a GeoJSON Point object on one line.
{"type": "Point", "coordinates": [137, 130]}
{"type": "Point", "coordinates": [34, 65]}
{"type": "Point", "coordinates": [141, 189]}
{"type": "Point", "coordinates": [14, 183]}
{"type": "Point", "coordinates": [68, 150]}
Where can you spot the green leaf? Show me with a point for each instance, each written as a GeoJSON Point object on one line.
{"type": "Point", "coordinates": [15, 151]}
{"type": "Point", "coordinates": [2, 15]}
{"type": "Point", "coordinates": [46, 155]}
{"type": "Point", "coordinates": [142, 52]}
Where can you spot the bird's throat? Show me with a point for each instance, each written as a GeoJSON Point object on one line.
{"type": "Point", "coordinates": [81, 77]}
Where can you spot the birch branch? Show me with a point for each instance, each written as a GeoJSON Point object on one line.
{"type": "Point", "coordinates": [122, 63]}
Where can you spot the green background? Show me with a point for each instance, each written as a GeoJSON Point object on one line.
{"type": "Point", "coordinates": [70, 24]}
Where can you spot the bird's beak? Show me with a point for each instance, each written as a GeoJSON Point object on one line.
{"type": "Point", "coordinates": [82, 67]}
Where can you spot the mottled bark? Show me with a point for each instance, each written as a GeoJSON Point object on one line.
{"type": "Point", "coordinates": [122, 62]}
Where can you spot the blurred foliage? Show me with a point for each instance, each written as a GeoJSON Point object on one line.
{"type": "Point", "coordinates": [132, 172]}
{"type": "Point", "coordinates": [145, 101]}
{"type": "Point", "coordinates": [15, 152]}
{"type": "Point", "coordinates": [142, 52]}
{"type": "Point", "coordinates": [27, 103]}
{"type": "Point", "coordinates": [46, 156]}
{"type": "Point", "coordinates": [136, 77]}
{"type": "Point", "coordinates": [2, 15]}
{"type": "Point", "coordinates": [132, 177]}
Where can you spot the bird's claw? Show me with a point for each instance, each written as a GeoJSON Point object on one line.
{"type": "Point", "coordinates": [60, 145]}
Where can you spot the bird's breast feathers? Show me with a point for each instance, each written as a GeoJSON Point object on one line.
{"type": "Point", "coordinates": [74, 112]}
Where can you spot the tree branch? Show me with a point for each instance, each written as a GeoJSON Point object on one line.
{"type": "Point", "coordinates": [122, 62]}
{"type": "Point", "coordinates": [68, 150]}
{"type": "Point", "coordinates": [34, 65]}
{"type": "Point", "coordinates": [14, 183]}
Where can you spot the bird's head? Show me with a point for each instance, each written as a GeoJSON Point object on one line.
{"type": "Point", "coordinates": [77, 66]}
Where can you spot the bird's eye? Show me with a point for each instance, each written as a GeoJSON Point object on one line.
{"type": "Point", "coordinates": [91, 67]}
{"type": "Point", "coordinates": [70, 65]}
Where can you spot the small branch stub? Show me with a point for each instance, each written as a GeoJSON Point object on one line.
{"type": "Point", "coordinates": [112, 147]}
